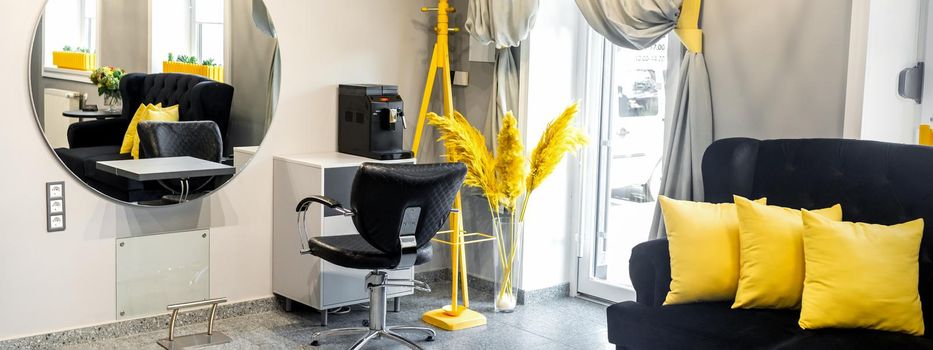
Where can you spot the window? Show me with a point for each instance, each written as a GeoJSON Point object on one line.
{"type": "Point", "coordinates": [189, 28]}
{"type": "Point", "coordinates": [69, 24]}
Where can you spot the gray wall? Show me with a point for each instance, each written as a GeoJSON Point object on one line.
{"type": "Point", "coordinates": [250, 67]}
{"type": "Point", "coordinates": [124, 32]}
{"type": "Point", "coordinates": [777, 68]}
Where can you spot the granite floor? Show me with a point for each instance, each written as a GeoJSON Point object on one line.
{"type": "Point", "coordinates": [566, 323]}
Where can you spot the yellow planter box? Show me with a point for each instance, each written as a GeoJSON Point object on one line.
{"type": "Point", "coordinates": [74, 60]}
{"type": "Point", "coordinates": [215, 73]}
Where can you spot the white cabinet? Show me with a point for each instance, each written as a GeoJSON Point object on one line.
{"type": "Point", "coordinates": [242, 156]}
{"type": "Point", "coordinates": [305, 278]}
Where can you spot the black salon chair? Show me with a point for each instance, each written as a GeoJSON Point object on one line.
{"type": "Point", "coordinates": [397, 209]}
{"type": "Point", "coordinates": [198, 139]}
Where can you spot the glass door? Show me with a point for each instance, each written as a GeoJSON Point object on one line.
{"type": "Point", "coordinates": [626, 108]}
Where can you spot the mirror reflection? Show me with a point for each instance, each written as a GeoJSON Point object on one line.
{"type": "Point", "coordinates": [154, 102]}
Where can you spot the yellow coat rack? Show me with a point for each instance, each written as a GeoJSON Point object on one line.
{"type": "Point", "coordinates": [453, 316]}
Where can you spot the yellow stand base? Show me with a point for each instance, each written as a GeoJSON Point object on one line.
{"type": "Point", "coordinates": [467, 319]}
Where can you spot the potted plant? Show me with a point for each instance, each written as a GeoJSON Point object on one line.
{"type": "Point", "coordinates": [190, 65]}
{"type": "Point", "coordinates": [507, 179]}
{"type": "Point", "coordinates": [78, 59]}
{"type": "Point", "coordinates": [107, 80]}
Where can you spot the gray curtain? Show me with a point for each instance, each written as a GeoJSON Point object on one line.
{"type": "Point", "coordinates": [637, 24]}
{"type": "Point", "coordinates": [505, 24]}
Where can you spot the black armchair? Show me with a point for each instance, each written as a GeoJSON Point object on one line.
{"type": "Point", "coordinates": [397, 210]}
{"type": "Point", "coordinates": [198, 99]}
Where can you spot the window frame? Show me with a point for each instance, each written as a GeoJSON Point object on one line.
{"type": "Point", "coordinates": [194, 42]}
{"type": "Point", "coordinates": [50, 71]}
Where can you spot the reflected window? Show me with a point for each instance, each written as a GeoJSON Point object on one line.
{"type": "Point", "coordinates": [186, 29]}
{"type": "Point", "coordinates": [69, 25]}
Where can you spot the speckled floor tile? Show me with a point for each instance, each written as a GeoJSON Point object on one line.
{"type": "Point", "coordinates": [565, 323]}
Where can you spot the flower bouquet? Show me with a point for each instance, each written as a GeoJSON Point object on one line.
{"type": "Point", "coordinates": [107, 80]}
{"type": "Point", "coordinates": [507, 179]}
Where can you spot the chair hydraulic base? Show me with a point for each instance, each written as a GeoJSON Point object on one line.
{"type": "Point", "coordinates": [377, 281]}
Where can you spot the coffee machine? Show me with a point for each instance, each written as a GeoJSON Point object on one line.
{"type": "Point", "coordinates": [371, 122]}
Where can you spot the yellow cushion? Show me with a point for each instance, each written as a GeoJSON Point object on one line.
{"type": "Point", "coordinates": [771, 261]}
{"type": "Point", "coordinates": [704, 245]}
{"type": "Point", "coordinates": [861, 275]}
{"type": "Point", "coordinates": [155, 113]}
{"type": "Point", "coordinates": [130, 136]}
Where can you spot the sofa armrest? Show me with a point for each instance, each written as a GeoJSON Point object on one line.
{"type": "Point", "coordinates": [107, 132]}
{"type": "Point", "coordinates": [650, 270]}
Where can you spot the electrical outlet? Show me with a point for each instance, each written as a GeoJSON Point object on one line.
{"type": "Point", "coordinates": [55, 206]}
{"type": "Point", "coordinates": [56, 223]}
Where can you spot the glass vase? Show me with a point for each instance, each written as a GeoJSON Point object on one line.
{"type": "Point", "coordinates": [111, 101]}
{"type": "Point", "coordinates": [508, 260]}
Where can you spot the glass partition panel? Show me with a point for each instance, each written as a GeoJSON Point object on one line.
{"type": "Point", "coordinates": [155, 271]}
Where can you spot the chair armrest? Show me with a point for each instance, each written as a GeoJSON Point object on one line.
{"type": "Point", "coordinates": [323, 200]}
{"type": "Point", "coordinates": [107, 132]}
{"type": "Point", "coordinates": [650, 269]}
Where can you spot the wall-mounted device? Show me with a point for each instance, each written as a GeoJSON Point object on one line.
{"type": "Point", "coordinates": [55, 206]}
{"type": "Point", "coordinates": [371, 122]}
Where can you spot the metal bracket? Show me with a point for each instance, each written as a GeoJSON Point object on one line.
{"type": "Point", "coordinates": [194, 340]}
{"type": "Point", "coordinates": [910, 83]}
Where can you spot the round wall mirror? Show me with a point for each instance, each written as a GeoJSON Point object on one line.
{"type": "Point", "coordinates": [154, 103]}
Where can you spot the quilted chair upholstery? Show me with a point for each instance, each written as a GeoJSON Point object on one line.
{"type": "Point", "coordinates": [198, 139]}
{"type": "Point", "coordinates": [381, 193]}
{"type": "Point", "coordinates": [198, 99]}
{"type": "Point", "coordinates": [875, 182]}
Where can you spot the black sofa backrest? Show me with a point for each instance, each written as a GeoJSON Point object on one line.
{"type": "Point", "coordinates": [198, 98]}
{"type": "Point", "coordinates": [875, 182]}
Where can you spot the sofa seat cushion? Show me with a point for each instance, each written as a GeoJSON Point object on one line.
{"type": "Point", "coordinates": [74, 158]}
{"type": "Point", "coordinates": [83, 163]}
{"type": "Point", "coordinates": [717, 326]}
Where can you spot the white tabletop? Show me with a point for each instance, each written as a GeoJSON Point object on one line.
{"type": "Point", "coordinates": [165, 168]}
{"type": "Point", "coordinates": [326, 160]}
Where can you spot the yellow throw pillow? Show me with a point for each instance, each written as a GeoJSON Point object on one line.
{"type": "Point", "coordinates": [861, 275]}
{"type": "Point", "coordinates": [771, 265]}
{"type": "Point", "coordinates": [704, 245]}
{"type": "Point", "coordinates": [155, 113]}
{"type": "Point", "coordinates": [129, 138]}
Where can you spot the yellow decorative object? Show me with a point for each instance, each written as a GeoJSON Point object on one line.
{"type": "Point", "coordinates": [926, 135]}
{"type": "Point", "coordinates": [129, 138]}
{"type": "Point", "coordinates": [559, 138]}
{"type": "Point", "coordinates": [215, 73]}
{"type": "Point", "coordinates": [453, 316]}
{"type": "Point", "coordinates": [505, 178]}
{"type": "Point", "coordinates": [74, 60]}
{"type": "Point", "coordinates": [154, 113]}
{"type": "Point", "coordinates": [688, 26]}
{"type": "Point", "coordinates": [861, 275]}
{"type": "Point", "coordinates": [510, 169]}
{"type": "Point", "coordinates": [771, 267]}
{"type": "Point", "coordinates": [704, 248]}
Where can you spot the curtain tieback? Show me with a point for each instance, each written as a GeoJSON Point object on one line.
{"type": "Point", "coordinates": [688, 26]}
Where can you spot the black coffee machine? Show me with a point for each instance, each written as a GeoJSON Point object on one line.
{"type": "Point", "coordinates": [371, 122]}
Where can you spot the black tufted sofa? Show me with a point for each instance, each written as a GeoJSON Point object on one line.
{"type": "Point", "coordinates": [198, 99]}
{"type": "Point", "coordinates": [875, 182]}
